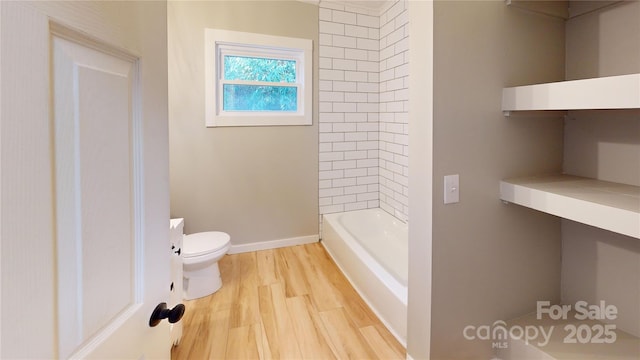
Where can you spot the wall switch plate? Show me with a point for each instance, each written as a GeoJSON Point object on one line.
{"type": "Point", "coordinates": [451, 189]}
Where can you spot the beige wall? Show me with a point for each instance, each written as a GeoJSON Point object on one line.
{"type": "Point", "coordinates": [256, 183]}
{"type": "Point", "coordinates": [598, 264]}
{"type": "Point", "coordinates": [491, 261]}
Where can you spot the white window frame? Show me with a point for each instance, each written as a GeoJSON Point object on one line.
{"type": "Point", "coordinates": [219, 43]}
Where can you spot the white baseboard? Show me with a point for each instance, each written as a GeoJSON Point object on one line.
{"type": "Point", "coordinates": [273, 244]}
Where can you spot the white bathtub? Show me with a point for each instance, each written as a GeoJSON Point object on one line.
{"type": "Point", "coordinates": [371, 248]}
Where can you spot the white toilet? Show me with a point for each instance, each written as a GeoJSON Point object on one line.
{"type": "Point", "coordinates": [200, 255]}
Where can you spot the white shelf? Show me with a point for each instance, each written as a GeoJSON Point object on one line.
{"type": "Point", "coordinates": [626, 346]}
{"type": "Point", "coordinates": [612, 92]}
{"type": "Point", "coordinates": [611, 206]}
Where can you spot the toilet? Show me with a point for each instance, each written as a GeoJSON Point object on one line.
{"type": "Point", "coordinates": [200, 255]}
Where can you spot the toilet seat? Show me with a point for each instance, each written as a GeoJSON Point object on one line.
{"type": "Point", "coordinates": [204, 243]}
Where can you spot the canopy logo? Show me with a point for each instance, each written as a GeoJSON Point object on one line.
{"type": "Point", "coordinates": [578, 331]}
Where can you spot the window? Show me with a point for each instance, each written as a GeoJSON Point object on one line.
{"type": "Point", "coordinates": [257, 80]}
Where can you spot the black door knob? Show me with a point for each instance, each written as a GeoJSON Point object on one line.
{"type": "Point", "coordinates": [161, 312]}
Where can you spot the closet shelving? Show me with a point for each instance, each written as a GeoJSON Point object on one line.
{"type": "Point", "coordinates": [611, 206]}
{"type": "Point", "coordinates": [607, 205]}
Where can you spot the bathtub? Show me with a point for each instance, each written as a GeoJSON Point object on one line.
{"type": "Point", "coordinates": [371, 248]}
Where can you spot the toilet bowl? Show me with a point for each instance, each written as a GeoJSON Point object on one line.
{"type": "Point", "coordinates": [200, 255]}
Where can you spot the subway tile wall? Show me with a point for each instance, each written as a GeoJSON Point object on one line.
{"type": "Point", "coordinates": [363, 108]}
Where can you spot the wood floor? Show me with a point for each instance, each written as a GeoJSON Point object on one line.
{"type": "Point", "coordinates": [288, 303]}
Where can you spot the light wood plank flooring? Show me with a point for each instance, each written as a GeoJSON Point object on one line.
{"type": "Point", "coordinates": [288, 303]}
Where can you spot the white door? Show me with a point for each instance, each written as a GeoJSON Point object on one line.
{"type": "Point", "coordinates": [84, 179]}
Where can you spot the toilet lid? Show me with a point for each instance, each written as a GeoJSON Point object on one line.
{"type": "Point", "coordinates": [204, 242]}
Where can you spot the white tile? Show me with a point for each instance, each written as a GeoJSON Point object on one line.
{"type": "Point", "coordinates": [395, 60]}
{"type": "Point", "coordinates": [356, 117]}
{"type": "Point", "coordinates": [395, 106]}
{"type": "Point", "coordinates": [344, 107]}
{"type": "Point", "coordinates": [344, 86]}
{"type": "Point", "coordinates": [356, 206]}
{"type": "Point", "coordinates": [395, 10]}
{"type": "Point", "coordinates": [343, 199]}
{"type": "Point", "coordinates": [369, 21]}
{"type": "Point", "coordinates": [331, 74]}
{"type": "Point", "coordinates": [373, 55]}
{"type": "Point", "coordinates": [367, 87]}
{"type": "Point", "coordinates": [364, 180]}
{"type": "Point", "coordinates": [402, 94]}
{"type": "Point", "coordinates": [345, 146]}
{"type": "Point", "coordinates": [395, 84]}
{"type": "Point", "coordinates": [355, 76]}
{"type": "Point", "coordinates": [325, 107]}
{"type": "Point", "coordinates": [354, 173]}
{"type": "Point", "coordinates": [325, 165]}
{"type": "Point", "coordinates": [344, 164]}
{"type": "Point", "coordinates": [326, 63]}
{"type": "Point", "coordinates": [356, 31]}
{"type": "Point", "coordinates": [324, 147]}
{"type": "Point", "coordinates": [402, 70]}
{"type": "Point", "coordinates": [355, 54]}
{"type": "Point", "coordinates": [385, 29]}
{"type": "Point", "coordinates": [325, 85]}
{"type": "Point", "coordinates": [367, 107]}
{"type": "Point", "coordinates": [374, 77]}
{"type": "Point", "coordinates": [395, 36]}
{"type": "Point", "coordinates": [324, 201]}
{"type": "Point", "coordinates": [367, 196]}
{"type": "Point", "coordinates": [369, 66]}
{"type": "Point", "coordinates": [331, 117]}
{"type": "Point", "coordinates": [374, 33]}
{"type": "Point", "coordinates": [332, 174]}
{"type": "Point", "coordinates": [385, 52]}
{"type": "Point", "coordinates": [387, 96]}
{"type": "Point", "coordinates": [367, 163]}
{"type": "Point", "coordinates": [332, 96]}
{"type": "Point", "coordinates": [331, 156]}
{"type": "Point", "coordinates": [344, 182]}
{"type": "Point", "coordinates": [355, 155]}
{"type": "Point", "coordinates": [373, 98]}
{"type": "Point", "coordinates": [343, 17]}
{"type": "Point", "coordinates": [366, 145]}
{"type": "Point", "coordinates": [327, 27]}
{"type": "Point", "coordinates": [367, 44]}
{"type": "Point", "coordinates": [331, 209]}
{"type": "Point", "coordinates": [355, 136]}
{"type": "Point", "coordinates": [325, 127]}
{"type": "Point", "coordinates": [367, 126]}
{"type": "Point", "coordinates": [326, 39]}
{"type": "Point", "coordinates": [355, 189]}
{"type": "Point", "coordinates": [344, 41]}
{"type": "Point", "coordinates": [331, 52]}
{"type": "Point", "coordinates": [344, 127]}
{"type": "Point", "coordinates": [342, 64]}
{"type": "Point", "coordinates": [355, 97]}
{"type": "Point", "coordinates": [324, 14]}
{"type": "Point", "coordinates": [401, 45]}
{"type": "Point", "coordinates": [331, 137]}
{"type": "Point", "coordinates": [324, 184]}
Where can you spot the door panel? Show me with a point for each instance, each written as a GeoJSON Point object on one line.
{"type": "Point", "coordinates": [94, 173]}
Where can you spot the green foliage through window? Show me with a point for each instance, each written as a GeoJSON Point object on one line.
{"type": "Point", "coordinates": [252, 97]}
{"type": "Point", "coordinates": [260, 98]}
{"type": "Point", "coordinates": [259, 69]}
